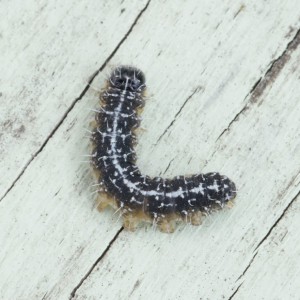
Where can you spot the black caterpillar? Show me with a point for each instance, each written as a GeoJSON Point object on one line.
{"type": "Point", "coordinates": [121, 184]}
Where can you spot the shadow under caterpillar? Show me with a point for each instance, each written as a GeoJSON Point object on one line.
{"type": "Point", "coordinates": [120, 184]}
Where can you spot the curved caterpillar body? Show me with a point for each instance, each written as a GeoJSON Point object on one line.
{"type": "Point", "coordinates": [121, 184]}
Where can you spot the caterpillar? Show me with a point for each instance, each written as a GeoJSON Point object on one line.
{"type": "Point", "coordinates": [138, 197]}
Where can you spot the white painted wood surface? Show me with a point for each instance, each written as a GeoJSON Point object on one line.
{"type": "Point", "coordinates": [48, 49]}
{"type": "Point", "coordinates": [225, 84]}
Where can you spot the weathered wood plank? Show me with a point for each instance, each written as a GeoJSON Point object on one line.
{"type": "Point", "coordinates": [48, 51]}
{"type": "Point", "coordinates": [275, 271]}
{"type": "Point", "coordinates": [50, 227]}
{"type": "Point", "coordinates": [208, 262]}
{"type": "Point", "coordinates": [52, 234]}
{"type": "Point", "coordinates": [211, 53]}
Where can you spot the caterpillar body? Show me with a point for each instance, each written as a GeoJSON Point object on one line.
{"type": "Point", "coordinates": [120, 183]}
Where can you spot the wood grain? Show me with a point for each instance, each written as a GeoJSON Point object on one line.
{"type": "Point", "coordinates": [223, 82]}
{"type": "Point", "coordinates": [209, 262]}
{"type": "Point", "coordinates": [49, 51]}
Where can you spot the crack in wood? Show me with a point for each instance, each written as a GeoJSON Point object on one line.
{"type": "Point", "coordinates": [282, 193]}
{"type": "Point", "coordinates": [233, 120]}
{"type": "Point", "coordinates": [265, 237]}
{"type": "Point", "coordinates": [72, 295]}
{"type": "Point", "coordinates": [277, 221]}
{"type": "Point", "coordinates": [270, 76]}
{"type": "Point", "coordinates": [231, 297]}
{"type": "Point", "coordinates": [196, 90]}
{"type": "Point", "coordinates": [167, 168]}
{"type": "Point", "coordinates": [136, 285]}
{"type": "Point", "coordinates": [246, 269]}
{"type": "Point", "coordinates": [76, 100]}
{"type": "Point", "coordinates": [241, 8]}
{"type": "Point", "coordinates": [275, 68]}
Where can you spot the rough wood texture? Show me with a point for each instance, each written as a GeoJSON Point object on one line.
{"type": "Point", "coordinates": [49, 51]}
{"type": "Point", "coordinates": [225, 83]}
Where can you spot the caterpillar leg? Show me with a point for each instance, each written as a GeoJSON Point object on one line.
{"type": "Point", "coordinates": [167, 226]}
{"type": "Point", "coordinates": [93, 124]}
{"type": "Point", "coordinates": [140, 130]}
{"type": "Point", "coordinates": [196, 218]}
{"type": "Point", "coordinates": [104, 200]}
{"type": "Point", "coordinates": [230, 204]}
{"type": "Point", "coordinates": [130, 221]}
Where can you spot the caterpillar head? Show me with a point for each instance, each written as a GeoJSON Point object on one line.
{"type": "Point", "coordinates": [228, 190]}
{"type": "Point", "coordinates": [128, 78]}
{"type": "Point", "coordinates": [220, 189]}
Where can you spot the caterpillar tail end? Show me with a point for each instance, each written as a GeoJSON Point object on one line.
{"type": "Point", "coordinates": [232, 195]}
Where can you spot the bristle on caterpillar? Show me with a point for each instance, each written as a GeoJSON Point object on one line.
{"type": "Point", "coordinates": [137, 197]}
